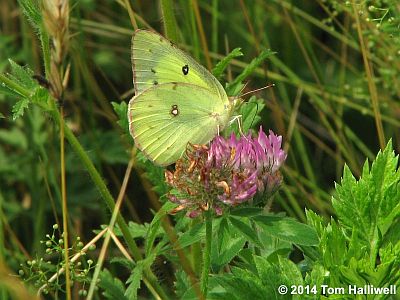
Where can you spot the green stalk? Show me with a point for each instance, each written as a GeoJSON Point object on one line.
{"type": "Point", "coordinates": [207, 254]}
{"type": "Point", "coordinates": [170, 25]}
{"type": "Point", "coordinates": [214, 26]}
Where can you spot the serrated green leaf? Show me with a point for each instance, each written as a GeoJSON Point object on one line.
{"type": "Point", "coordinates": [182, 283]}
{"type": "Point", "coordinates": [134, 282]}
{"type": "Point", "coordinates": [128, 264]}
{"type": "Point", "coordinates": [221, 66]}
{"type": "Point", "coordinates": [139, 230]}
{"type": "Point", "coordinates": [316, 277]}
{"type": "Point", "coordinates": [371, 203]}
{"type": "Point", "coordinates": [244, 284]}
{"type": "Point", "coordinates": [19, 108]}
{"type": "Point", "coordinates": [288, 229]}
{"type": "Point", "coordinates": [32, 12]}
{"type": "Point", "coordinates": [113, 287]}
{"type": "Point", "coordinates": [23, 75]}
{"type": "Point", "coordinates": [136, 276]}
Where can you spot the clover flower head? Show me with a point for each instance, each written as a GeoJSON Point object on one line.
{"type": "Point", "coordinates": [227, 173]}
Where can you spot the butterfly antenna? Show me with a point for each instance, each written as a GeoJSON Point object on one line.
{"type": "Point", "coordinates": [260, 89]}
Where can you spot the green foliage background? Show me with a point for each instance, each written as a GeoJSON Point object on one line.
{"type": "Point", "coordinates": [336, 74]}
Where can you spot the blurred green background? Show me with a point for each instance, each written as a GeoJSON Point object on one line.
{"type": "Point", "coordinates": [335, 101]}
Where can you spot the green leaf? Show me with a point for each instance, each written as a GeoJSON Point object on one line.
{"type": "Point", "coordinates": [32, 12]}
{"type": "Point", "coordinates": [23, 75]}
{"type": "Point", "coordinates": [250, 116]}
{"type": "Point", "coordinates": [246, 211]}
{"type": "Point", "coordinates": [136, 276]}
{"type": "Point", "coordinates": [154, 228]}
{"type": "Point", "coordinates": [19, 108]}
{"type": "Point", "coordinates": [221, 66]}
{"type": "Point", "coordinates": [139, 230]}
{"type": "Point", "coordinates": [194, 235]}
{"type": "Point", "coordinates": [134, 281]}
{"type": "Point", "coordinates": [182, 284]}
{"type": "Point", "coordinates": [250, 112]}
{"type": "Point", "coordinates": [121, 109]}
{"type": "Point", "coordinates": [244, 228]}
{"type": "Point", "coordinates": [113, 287]}
{"type": "Point", "coordinates": [272, 275]}
{"type": "Point", "coordinates": [229, 243]}
{"type": "Point", "coordinates": [242, 284]}
{"type": "Point", "coordinates": [373, 202]}
{"type": "Point", "coordinates": [288, 229]}
{"type": "Point", "coordinates": [248, 70]}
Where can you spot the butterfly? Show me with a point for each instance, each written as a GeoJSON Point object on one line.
{"type": "Point", "coordinates": [176, 102]}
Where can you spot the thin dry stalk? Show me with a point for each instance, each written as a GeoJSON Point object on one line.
{"type": "Point", "coordinates": [56, 21]}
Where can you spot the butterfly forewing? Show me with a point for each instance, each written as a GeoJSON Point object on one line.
{"type": "Point", "coordinates": [156, 61]}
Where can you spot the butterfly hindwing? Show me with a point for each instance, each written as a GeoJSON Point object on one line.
{"type": "Point", "coordinates": [156, 61]}
{"type": "Point", "coordinates": [164, 118]}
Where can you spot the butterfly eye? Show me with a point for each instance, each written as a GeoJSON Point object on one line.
{"type": "Point", "coordinates": [185, 69]}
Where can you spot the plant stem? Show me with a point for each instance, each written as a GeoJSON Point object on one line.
{"type": "Point", "coordinates": [111, 225]}
{"type": "Point", "coordinates": [371, 82]}
{"type": "Point", "coordinates": [64, 207]}
{"type": "Point", "coordinates": [207, 254]}
{"type": "Point", "coordinates": [169, 20]}
{"type": "Point", "coordinates": [195, 7]}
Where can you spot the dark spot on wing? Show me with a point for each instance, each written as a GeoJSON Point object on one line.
{"type": "Point", "coordinates": [185, 69]}
{"type": "Point", "coordinates": [152, 70]}
{"type": "Point", "coordinates": [151, 51]}
{"type": "Point", "coordinates": [174, 85]}
{"type": "Point", "coordinates": [174, 110]}
{"type": "Point", "coordinates": [155, 82]}
{"type": "Point", "coordinates": [150, 105]}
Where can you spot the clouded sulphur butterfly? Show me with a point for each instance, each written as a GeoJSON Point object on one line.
{"type": "Point", "coordinates": [176, 100]}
